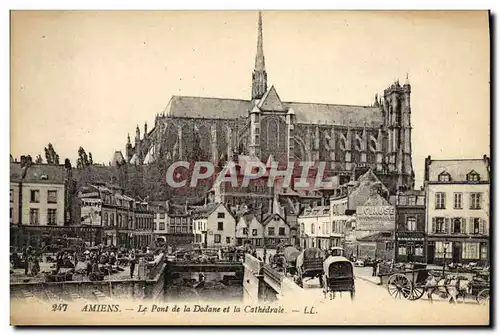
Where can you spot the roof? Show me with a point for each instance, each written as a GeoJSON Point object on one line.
{"type": "Point", "coordinates": [377, 237]}
{"type": "Point", "coordinates": [458, 169]}
{"type": "Point", "coordinates": [316, 113]}
{"type": "Point", "coordinates": [45, 174]}
{"type": "Point", "coordinates": [207, 210]}
{"type": "Point", "coordinates": [376, 200]}
{"type": "Point", "coordinates": [117, 158]}
{"type": "Point", "coordinates": [316, 211]}
{"type": "Point", "coordinates": [268, 217]}
{"type": "Point", "coordinates": [15, 172]}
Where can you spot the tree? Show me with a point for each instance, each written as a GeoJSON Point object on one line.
{"type": "Point", "coordinates": [38, 159]}
{"type": "Point", "coordinates": [67, 163]}
{"type": "Point", "coordinates": [51, 155]}
{"type": "Point", "coordinates": [83, 159]}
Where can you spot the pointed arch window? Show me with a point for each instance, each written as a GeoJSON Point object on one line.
{"type": "Point", "coordinates": [272, 131]}
{"type": "Point", "coordinates": [357, 144]}
{"type": "Point", "coordinates": [373, 145]}
{"type": "Point", "coordinates": [342, 143]}
{"type": "Point", "coordinates": [473, 176]}
{"type": "Point", "coordinates": [444, 177]}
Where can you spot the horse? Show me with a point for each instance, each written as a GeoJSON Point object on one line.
{"type": "Point", "coordinates": [450, 286]}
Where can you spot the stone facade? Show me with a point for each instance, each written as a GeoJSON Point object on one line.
{"type": "Point", "coordinates": [345, 136]}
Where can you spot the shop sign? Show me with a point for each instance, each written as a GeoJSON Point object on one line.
{"type": "Point", "coordinates": [375, 218]}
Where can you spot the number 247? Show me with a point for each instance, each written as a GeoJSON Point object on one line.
{"type": "Point", "coordinates": [59, 307]}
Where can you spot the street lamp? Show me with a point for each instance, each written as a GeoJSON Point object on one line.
{"type": "Point", "coordinates": [445, 247]}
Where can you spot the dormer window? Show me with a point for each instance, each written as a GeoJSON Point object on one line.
{"type": "Point", "coordinates": [444, 177]}
{"type": "Point", "coordinates": [473, 176]}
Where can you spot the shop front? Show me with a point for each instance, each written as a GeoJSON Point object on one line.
{"type": "Point", "coordinates": [410, 247]}
{"type": "Point", "coordinates": [457, 250]}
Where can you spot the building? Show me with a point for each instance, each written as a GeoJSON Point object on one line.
{"type": "Point", "coordinates": [315, 226]}
{"type": "Point", "coordinates": [276, 230]}
{"type": "Point", "coordinates": [249, 230]}
{"type": "Point", "coordinates": [341, 221]}
{"type": "Point", "coordinates": [458, 210]}
{"type": "Point", "coordinates": [123, 220]}
{"type": "Point", "coordinates": [377, 135]}
{"type": "Point", "coordinates": [161, 226]}
{"type": "Point", "coordinates": [410, 227]}
{"type": "Point", "coordinates": [220, 225]}
{"type": "Point", "coordinates": [39, 202]}
{"type": "Point", "coordinates": [180, 225]}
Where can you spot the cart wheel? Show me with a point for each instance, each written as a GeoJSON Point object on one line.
{"type": "Point", "coordinates": [416, 293]}
{"type": "Point", "coordinates": [399, 286]}
{"type": "Point", "coordinates": [483, 297]}
{"type": "Point", "coordinates": [352, 294]}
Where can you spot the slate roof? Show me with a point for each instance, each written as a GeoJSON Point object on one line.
{"type": "Point", "coordinates": [316, 211]}
{"type": "Point", "coordinates": [458, 169]}
{"type": "Point", "coordinates": [45, 174]}
{"type": "Point", "coordinates": [308, 113]}
{"type": "Point", "coordinates": [15, 172]}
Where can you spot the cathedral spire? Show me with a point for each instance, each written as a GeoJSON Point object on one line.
{"type": "Point", "coordinates": [260, 63]}
{"type": "Point", "coordinates": [259, 76]}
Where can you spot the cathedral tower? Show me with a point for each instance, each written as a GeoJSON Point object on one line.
{"type": "Point", "coordinates": [397, 111]}
{"type": "Point", "coordinates": [259, 76]}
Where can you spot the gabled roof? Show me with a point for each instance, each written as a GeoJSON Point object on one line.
{"type": "Point", "coordinates": [271, 101]}
{"type": "Point", "coordinates": [458, 169]}
{"type": "Point", "coordinates": [376, 200]}
{"type": "Point", "coordinates": [207, 210]}
{"type": "Point", "coordinates": [117, 159]}
{"type": "Point", "coordinates": [269, 217]}
{"type": "Point", "coordinates": [311, 113]}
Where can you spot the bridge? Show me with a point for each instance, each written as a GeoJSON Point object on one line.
{"type": "Point", "coordinates": [262, 282]}
{"type": "Point", "coordinates": [181, 267]}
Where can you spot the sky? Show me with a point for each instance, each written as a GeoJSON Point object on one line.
{"type": "Point", "coordinates": [87, 78]}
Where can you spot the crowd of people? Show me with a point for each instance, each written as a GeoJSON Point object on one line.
{"type": "Point", "coordinates": [93, 263]}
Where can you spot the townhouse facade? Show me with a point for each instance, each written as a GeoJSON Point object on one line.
{"type": "Point", "coordinates": [458, 210]}
{"type": "Point", "coordinates": [276, 230]}
{"type": "Point", "coordinates": [249, 230]}
{"type": "Point", "coordinates": [220, 225]}
{"type": "Point", "coordinates": [410, 236]}
{"type": "Point", "coordinates": [123, 220]}
{"type": "Point", "coordinates": [39, 204]}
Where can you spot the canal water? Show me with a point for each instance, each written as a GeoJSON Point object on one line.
{"type": "Point", "coordinates": [216, 286]}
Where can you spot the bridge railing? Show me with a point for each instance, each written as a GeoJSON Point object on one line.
{"type": "Point", "coordinates": [273, 275]}
{"type": "Point", "coordinates": [155, 267]}
{"type": "Point", "coordinates": [253, 264]}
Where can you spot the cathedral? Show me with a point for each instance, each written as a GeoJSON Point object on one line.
{"type": "Point", "coordinates": [347, 137]}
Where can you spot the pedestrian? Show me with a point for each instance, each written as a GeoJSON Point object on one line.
{"type": "Point", "coordinates": [132, 264]}
{"type": "Point", "coordinates": [265, 253]}
{"type": "Point", "coordinates": [25, 260]}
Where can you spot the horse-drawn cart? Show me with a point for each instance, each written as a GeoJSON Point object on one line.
{"type": "Point", "coordinates": [412, 284]}
{"type": "Point", "coordinates": [310, 265]}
